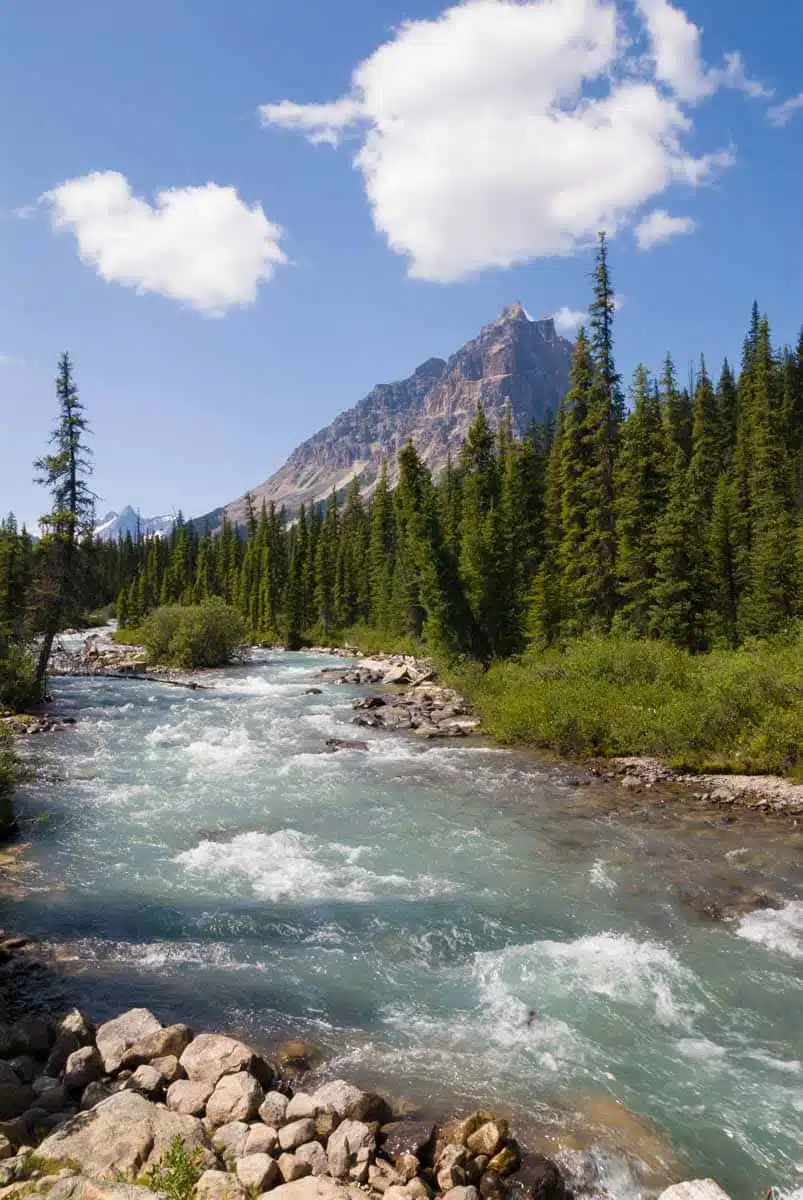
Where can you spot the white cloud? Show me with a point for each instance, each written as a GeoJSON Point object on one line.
{"type": "Point", "coordinates": [659, 226]}
{"type": "Point", "coordinates": [509, 130]}
{"type": "Point", "coordinates": [781, 114]}
{"type": "Point", "coordinates": [568, 320]}
{"type": "Point", "coordinates": [201, 245]}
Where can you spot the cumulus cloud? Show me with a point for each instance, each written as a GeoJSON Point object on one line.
{"type": "Point", "coordinates": [508, 130]}
{"type": "Point", "coordinates": [781, 114]}
{"type": "Point", "coordinates": [659, 226]}
{"type": "Point", "coordinates": [201, 245]}
{"type": "Point", "coordinates": [568, 320]}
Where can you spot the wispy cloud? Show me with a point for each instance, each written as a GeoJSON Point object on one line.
{"type": "Point", "coordinates": [659, 227]}
{"type": "Point", "coordinates": [781, 114]}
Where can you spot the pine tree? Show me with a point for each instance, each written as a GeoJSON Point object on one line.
{"type": "Point", "coordinates": [676, 408]}
{"type": "Point", "coordinates": [680, 603]}
{"type": "Point", "coordinates": [66, 473]}
{"type": "Point", "coordinates": [381, 553]}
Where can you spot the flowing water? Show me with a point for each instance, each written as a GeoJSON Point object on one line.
{"type": "Point", "coordinates": [408, 907]}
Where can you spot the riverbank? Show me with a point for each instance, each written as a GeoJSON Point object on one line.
{"type": "Point", "coordinates": [91, 1112]}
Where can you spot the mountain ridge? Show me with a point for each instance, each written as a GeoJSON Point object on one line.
{"type": "Point", "coordinates": [513, 358]}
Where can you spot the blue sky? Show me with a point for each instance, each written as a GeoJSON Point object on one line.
{"type": "Point", "coordinates": [494, 138]}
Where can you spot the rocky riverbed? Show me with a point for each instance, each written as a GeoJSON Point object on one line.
{"type": "Point", "coordinates": [95, 1113]}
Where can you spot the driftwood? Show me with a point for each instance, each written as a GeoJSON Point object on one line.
{"type": "Point", "coordinates": [87, 674]}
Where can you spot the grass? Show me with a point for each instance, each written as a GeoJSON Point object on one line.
{"type": "Point", "coordinates": [735, 711]}
{"type": "Point", "coordinates": [130, 636]}
{"type": "Point", "coordinates": [176, 1173]}
{"type": "Point", "coordinates": [374, 641]}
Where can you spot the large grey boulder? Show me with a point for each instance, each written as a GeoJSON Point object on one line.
{"type": "Point", "coordinates": [296, 1134]}
{"type": "Point", "coordinates": [314, 1155]}
{"type": "Point", "coordinates": [258, 1172]}
{"type": "Point", "coordinates": [174, 1039]}
{"type": "Point", "coordinates": [345, 1144]}
{"type": "Point", "coordinates": [83, 1066]}
{"type": "Point", "coordinates": [235, 1098]}
{"type": "Point", "coordinates": [77, 1187]}
{"type": "Point", "coordinates": [210, 1056]}
{"type": "Point", "coordinates": [262, 1139]}
{"type": "Point", "coordinates": [115, 1037]}
{"type": "Point", "coordinates": [187, 1097]}
{"type": "Point", "coordinates": [273, 1109]}
{"type": "Point", "coordinates": [316, 1187]}
{"type": "Point", "coordinates": [125, 1133]}
{"type": "Point", "coordinates": [343, 1098]}
{"type": "Point", "coordinates": [72, 1032]}
{"type": "Point", "coordinates": [694, 1189]}
{"type": "Point", "coordinates": [230, 1140]}
{"type": "Point", "coordinates": [218, 1185]}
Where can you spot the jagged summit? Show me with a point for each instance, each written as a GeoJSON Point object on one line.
{"type": "Point", "coordinates": [514, 359]}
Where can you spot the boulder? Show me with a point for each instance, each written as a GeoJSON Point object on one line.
{"type": "Point", "coordinates": [326, 1122]}
{"type": "Point", "coordinates": [94, 1093]}
{"type": "Point", "coordinates": [146, 1080]}
{"type": "Point", "coordinates": [299, 1055]}
{"type": "Point", "coordinates": [261, 1140]}
{"type": "Point", "coordinates": [24, 1067]}
{"type": "Point", "coordinates": [292, 1168]}
{"type": "Point", "coordinates": [314, 1155]}
{"type": "Point", "coordinates": [82, 1067]}
{"type": "Point", "coordinates": [189, 1098]}
{"type": "Point", "coordinates": [258, 1172]}
{"type": "Point", "coordinates": [316, 1187]}
{"type": "Point", "coordinates": [400, 674]}
{"type": "Point", "coordinates": [462, 1193]}
{"type": "Point", "coordinates": [491, 1186]}
{"type": "Point", "coordinates": [123, 1134]}
{"type": "Point", "coordinates": [115, 1037]}
{"type": "Point", "coordinates": [341, 1097]}
{"type": "Point", "coordinates": [51, 1099]}
{"type": "Point", "coordinates": [169, 1068]}
{"type": "Point", "coordinates": [273, 1108]}
{"type": "Point", "coordinates": [408, 1137]}
{"type": "Point", "coordinates": [235, 1098]}
{"type": "Point", "coordinates": [72, 1032]}
{"type": "Point", "coordinates": [296, 1134]}
{"type": "Point", "coordinates": [31, 1035]}
{"type": "Point", "coordinates": [230, 1140]}
{"type": "Point", "coordinates": [488, 1138]}
{"type": "Point", "coordinates": [210, 1056]}
{"type": "Point", "coordinates": [335, 744]}
{"type": "Point", "coordinates": [344, 1145]}
{"type": "Point", "coordinates": [538, 1178]}
{"type": "Point", "coordinates": [458, 1131]}
{"type": "Point", "coordinates": [507, 1160]}
{"type": "Point", "coordinates": [694, 1189]}
{"type": "Point", "coordinates": [452, 1168]}
{"type": "Point", "coordinates": [173, 1040]}
{"type": "Point", "coordinates": [6, 1149]}
{"type": "Point", "coordinates": [15, 1096]}
{"type": "Point", "coordinates": [300, 1106]}
{"type": "Point", "coordinates": [77, 1187]}
{"type": "Point", "coordinates": [219, 1185]}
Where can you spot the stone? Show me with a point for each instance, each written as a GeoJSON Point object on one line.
{"type": "Point", "coordinates": [146, 1080]}
{"type": "Point", "coordinates": [488, 1138]}
{"type": "Point", "coordinates": [326, 1122]}
{"type": "Point", "coordinates": [6, 1149]}
{"type": "Point", "coordinates": [174, 1039]}
{"type": "Point", "coordinates": [341, 1097]}
{"type": "Point", "coordinates": [314, 1155]}
{"type": "Point", "coordinates": [31, 1035]}
{"type": "Point", "coordinates": [294, 1135]}
{"type": "Point", "coordinates": [273, 1108]}
{"type": "Point", "coordinates": [235, 1098]}
{"type": "Point", "coordinates": [219, 1185]}
{"type": "Point", "coordinates": [458, 1131]}
{"type": "Point", "coordinates": [82, 1067]}
{"type": "Point", "coordinates": [53, 1099]}
{"type": "Point", "coordinates": [261, 1140]}
{"type": "Point", "coordinates": [343, 1146]}
{"type": "Point", "coordinates": [335, 744]}
{"type": "Point", "coordinates": [15, 1096]}
{"type": "Point", "coordinates": [210, 1056]}
{"type": "Point", "coordinates": [72, 1033]}
{"type": "Point", "coordinates": [462, 1193]}
{"type": "Point", "coordinates": [292, 1168]}
{"type": "Point", "coordinates": [538, 1178]}
{"type": "Point", "coordinates": [24, 1067]}
{"type": "Point", "coordinates": [169, 1068]}
{"type": "Point", "coordinates": [123, 1134]}
{"type": "Point", "coordinates": [301, 1105]}
{"type": "Point", "coordinates": [299, 1055]}
{"type": "Point", "coordinates": [69, 1186]}
{"type": "Point", "coordinates": [694, 1189]}
{"type": "Point", "coordinates": [94, 1094]}
{"type": "Point", "coordinates": [407, 1166]}
{"type": "Point", "coordinates": [230, 1140]}
{"type": "Point", "coordinates": [507, 1160]}
{"type": "Point", "coordinates": [408, 1137]}
{"type": "Point", "coordinates": [451, 1168]}
{"type": "Point", "coordinates": [491, 1186]}
{"type": "Point", "coordinates": [115, 1037]}
{"type": "Point", "coordinates": [418, 1190]}
{"type": "Point", "coordinates": [189, 1098]}
{"type": "Point", "coordinates": [400, 674]}
{"type": "Point", "coordinates": [258, 1172]}
{"type": "Point", "coordinates": [317, 1187]}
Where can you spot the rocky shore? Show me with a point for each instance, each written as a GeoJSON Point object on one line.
{"type": "Point", "coordinates": [131, 1109]}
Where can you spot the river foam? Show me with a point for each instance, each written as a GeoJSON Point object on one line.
{"type": "Point", "coordinates": [779, 929]}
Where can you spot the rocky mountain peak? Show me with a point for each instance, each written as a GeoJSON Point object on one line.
{"type": "Point", "coordinates": [512, 360]}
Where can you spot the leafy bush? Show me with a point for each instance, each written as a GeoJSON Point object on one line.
{"type": "Point", "coordinates": [211, 634]}
{"type": "Point", "coordinates": [7, 763]}
{"type": "Point", "coordinates": [176, 1173]}
{"type": "Point", "coordinates": [737, 710]}
{"type": "Point", "coordinates": [18, 687]}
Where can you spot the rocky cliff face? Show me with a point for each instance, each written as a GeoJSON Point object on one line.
{"type": "Point", "coordinates": [514, 358]}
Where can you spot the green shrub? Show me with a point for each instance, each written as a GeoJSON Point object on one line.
{"type": "Point", "coordinates": [738, 710]}
{"type": "Point", "coordinates": [7, 765]}
{"type": "Point", "coordinates": [18, 687]}
{"type": "Point", "coordinates": [211, 634]}
{"type": "Point", "coordinates": [176, 1173]}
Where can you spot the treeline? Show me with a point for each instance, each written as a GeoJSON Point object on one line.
{"type": "Point", "coordinates": [676, 517]}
